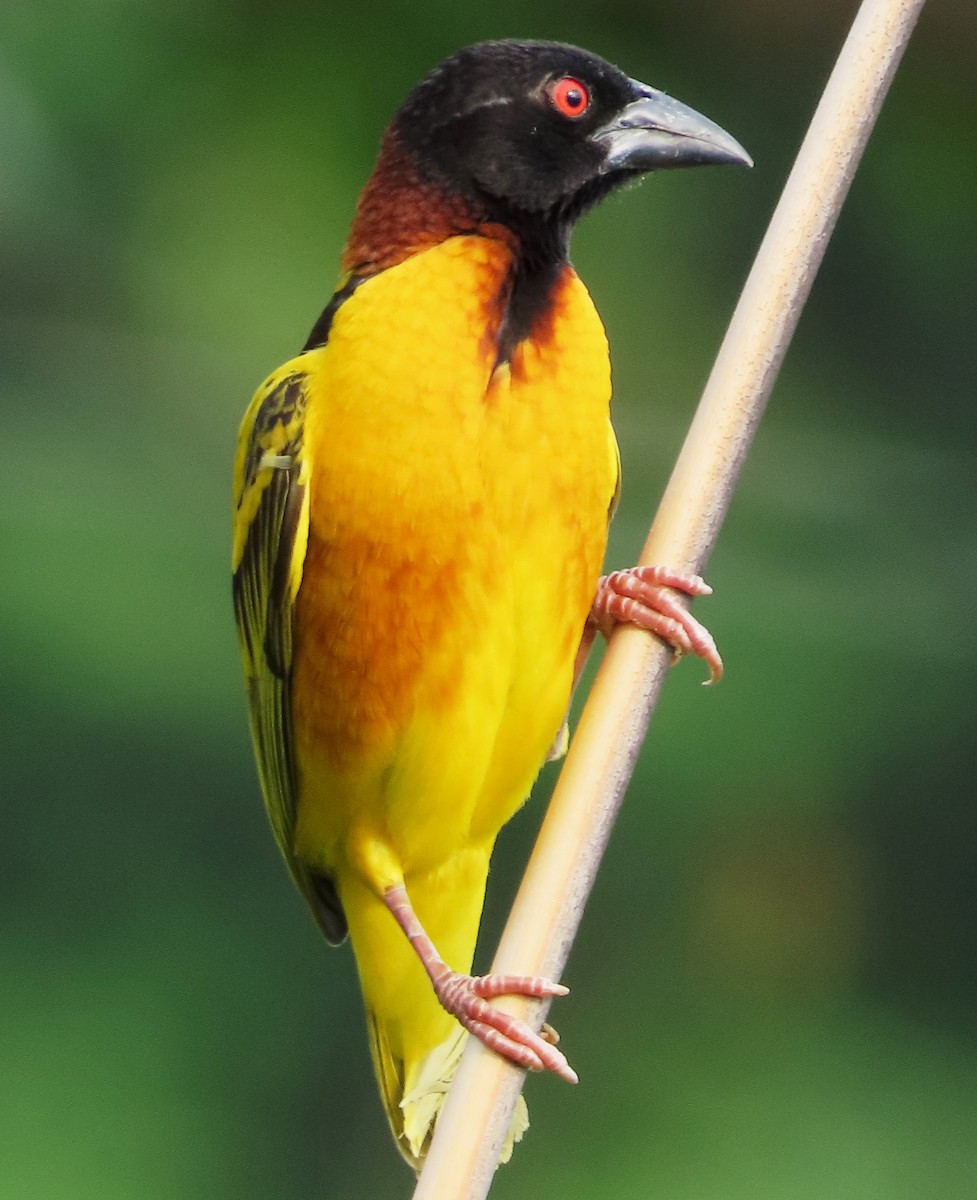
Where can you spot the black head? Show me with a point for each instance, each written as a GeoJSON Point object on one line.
{"type": "Point", "coordinates": [539, 129]}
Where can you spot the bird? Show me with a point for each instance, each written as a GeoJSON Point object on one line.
{"type": "Point", "coordinates": [422, 496]}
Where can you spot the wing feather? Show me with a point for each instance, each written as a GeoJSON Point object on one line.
{"type": "Point", "coordinates": [271, 487]}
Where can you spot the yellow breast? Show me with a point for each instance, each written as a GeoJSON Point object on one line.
{"type": "Point", "coordinates": [458, 522]}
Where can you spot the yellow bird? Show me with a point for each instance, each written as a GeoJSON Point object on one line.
{"type": "Point", "coordinates": [422, 498]}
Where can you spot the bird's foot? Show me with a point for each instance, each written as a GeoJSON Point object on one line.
{"type": "Point", "coordinates": [466, 998]}
{"type": "Point", "coordinates": [640, 596]}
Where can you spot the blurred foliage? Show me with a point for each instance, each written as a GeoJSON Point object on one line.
{"type": "Point", "coordinates": [775, 984]}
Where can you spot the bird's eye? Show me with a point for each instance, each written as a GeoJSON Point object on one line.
{"type": "Point", "coordinates": [569, 96]}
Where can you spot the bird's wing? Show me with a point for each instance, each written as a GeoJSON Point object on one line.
{"type": "Point", "coordinates": [271, 529]}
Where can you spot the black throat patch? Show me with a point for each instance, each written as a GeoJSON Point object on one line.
{"type": "Point", "coordinates": [531, 294]}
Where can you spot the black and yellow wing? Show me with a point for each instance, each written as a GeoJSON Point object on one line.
{"type": "Point", "coordinates": [271, 529]}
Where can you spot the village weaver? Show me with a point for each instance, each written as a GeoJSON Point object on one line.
{"type": "Point", "coordinates": [422, 499]}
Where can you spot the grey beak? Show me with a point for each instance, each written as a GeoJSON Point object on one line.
{"type": "Point", "coordinates": [654, 132]}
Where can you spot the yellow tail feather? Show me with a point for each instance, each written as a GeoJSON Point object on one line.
{"type": "Point", "coordinates": [413, 1113]}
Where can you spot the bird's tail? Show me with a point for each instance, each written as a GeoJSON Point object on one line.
{"type": "Point", "coordinates": [413, 1112]}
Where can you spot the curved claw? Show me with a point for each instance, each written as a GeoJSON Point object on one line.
{"type": "Point", "coordinates": [640, 596]}
{"type": "Point", "coordinates": [462, 996]}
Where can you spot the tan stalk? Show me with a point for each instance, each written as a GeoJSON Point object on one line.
{"type": "Point", "coordinates": [547, 911]}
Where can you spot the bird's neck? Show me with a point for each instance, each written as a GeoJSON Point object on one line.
{"type": "Point", "coordinates": [400, 213]}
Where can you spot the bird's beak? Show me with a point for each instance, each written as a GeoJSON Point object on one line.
{"type": "Point", "coordinates": [654, 132]}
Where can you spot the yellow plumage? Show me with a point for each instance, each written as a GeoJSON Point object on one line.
{"type": "Point", "coordinates": [422, 504]}
{"type": "Point", "coordinates": [438, 580]}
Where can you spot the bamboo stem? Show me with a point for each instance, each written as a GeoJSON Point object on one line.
{"type": "Point", "coordinates": [547, 910]}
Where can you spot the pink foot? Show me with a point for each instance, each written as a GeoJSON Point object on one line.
{"type": "Point", "coordinates": [467, 997]}
{"type": "Point", "coordinates": [640, 596]}
{"type": "Point", "coordinates": [464, 996]}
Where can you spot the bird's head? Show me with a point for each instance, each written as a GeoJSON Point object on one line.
{"type": "Point", "coordinates": [542, 127]}
{"type": "Point", "coordinates": [531, 134]}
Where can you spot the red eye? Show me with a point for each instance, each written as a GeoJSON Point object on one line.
{"type": "Point", "coordinates": [570, 97]}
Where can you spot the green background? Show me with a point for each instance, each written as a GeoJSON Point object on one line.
{"type": "Point", "coordinates": [774, 986]}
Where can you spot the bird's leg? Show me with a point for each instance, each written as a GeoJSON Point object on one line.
{"type": "Point", "coordinates": [466, 998]}
{"type": "Point", "coordinates": [640, 596]}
